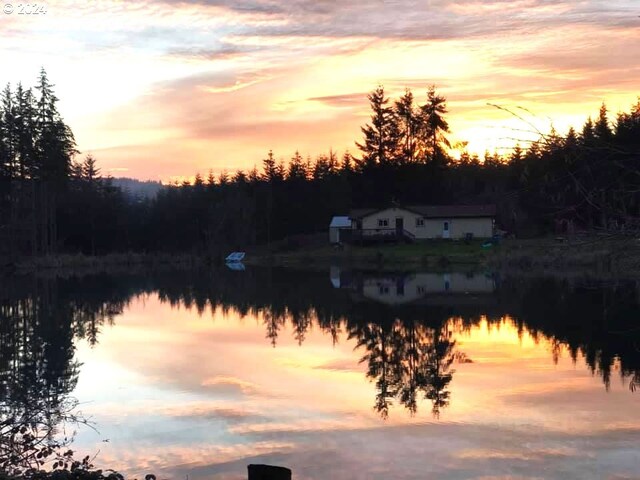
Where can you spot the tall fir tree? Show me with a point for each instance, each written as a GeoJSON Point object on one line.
{"type": "Point", "coordinates": [435, 126]}
{"type": "Point", "coordinates": [381, 136]}
{"type": "Point", "coordinates": [602, 128]}
{"type": "Point", "coordinates": [297, 170]}
{"type": "Point", "coordinates": [409, 125]}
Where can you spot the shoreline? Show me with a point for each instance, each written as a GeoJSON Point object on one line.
{"type": "Point", "coordinates": [604, 256]}
{"type": "Point", "coordinates": [599, 255]}
{"type": "Point", "coordinates": [113, 262]}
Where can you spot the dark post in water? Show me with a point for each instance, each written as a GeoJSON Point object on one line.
{"type": "Point", "coordinates": [268, 472]}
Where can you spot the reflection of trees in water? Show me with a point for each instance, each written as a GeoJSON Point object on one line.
{"type": "Point", "coordinates": [579, 315]}
{"type": "Point", "coordinates": [39, 320]}
{"type": "Point", "coordinates": [407, 360]}
{"type": "Point", "coordinates": [593, 319]}
{"type": "Point", "coordinates": [408, 350]}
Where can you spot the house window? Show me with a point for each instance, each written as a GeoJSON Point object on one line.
{"type": "Point", "coordinates": [383, 222]}
{"type": "Point", "coordinates": [421, 290]}
{"type": "Point", "coordinates": [419, 222]}
{"type": "Point", "coordinates": [384, 289]}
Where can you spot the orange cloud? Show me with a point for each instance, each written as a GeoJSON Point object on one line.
{"type": "Point", "coordinates": [169, 88]}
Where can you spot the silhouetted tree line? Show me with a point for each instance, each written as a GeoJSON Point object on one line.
{"type": "Point", "coordinates": [36, 148]}
{"type": "Point", "coordinates": [50, 202]}
{"type": "Point", "coordinates": [409, 351]}
{"type": "Point", "coordinates": [586, 180]}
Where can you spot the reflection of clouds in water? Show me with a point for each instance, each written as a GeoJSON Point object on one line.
{"type": "Point", "coordinates": [528, 455]}
{"type": "Point", "coordinates": [232, 399]}
{"type": "Point", "coordinates": [340, 365]}
{"type": "Point", "coordinates": [443, 451]}
{"type": "Point", "coordinates": [178, 461]}
{"type": "Point", "coordinates": [203, 396]}
{"type": "Point", "coordinates": [293, 426]}
{"type": "Point", "coordinates": [232, 383]}
{"type": "Point", "coordinates": [355, 446]}
{"type": "Point", "coordinates": [203, 411]}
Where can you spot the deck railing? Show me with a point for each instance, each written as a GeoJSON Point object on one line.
{"type": "Point", "coordinates": [377, 235]}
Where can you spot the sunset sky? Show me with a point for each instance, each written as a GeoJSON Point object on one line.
{"type": "Point", "coordinates": [165, 89]}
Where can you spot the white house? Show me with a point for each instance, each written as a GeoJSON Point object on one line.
{"type": "Point", "coordinates": [423, 222]}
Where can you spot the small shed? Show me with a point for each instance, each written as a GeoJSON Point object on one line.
{"type": "Point", "coordinates": [337, 226]}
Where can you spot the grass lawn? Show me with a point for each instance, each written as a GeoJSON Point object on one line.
{"type": "Point", "coordinates": [432, 252]}
{"type": "Point", "coordinates": [432, 247]}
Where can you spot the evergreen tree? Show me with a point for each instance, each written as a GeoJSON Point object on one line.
{"type": "Point", "coordinates": [211, 179]}
{"type": "Point", "coordinates": [269, 168]}
{"type": "Point", "coordinates": [602, 129]}
{"type": "Point", "coordinates": [516, 155]}
{"type": "Point", "coordinates": [346, 167]}
{"type": "Point", "coordinates": [8, 137]}
{"type": "Point", "coordinates": [587, 136]}
{"type": "Point", "coordinates": [240, 178]}
{"type": "Point", "coordinates": [281, 171]}
{"type": "Point", "coordinates": [320, 168]}
{"type": "Point", "coordinates": [435, 126]}
{"type": "Point", "coordinates": [381, 136]}
{"type": "Point", "coordinates": [77, 171]}
{"type": "Point", "coordinates": [253, 176]}
{"type": "Point", "coordinates": [332, 162]}
{"type": "Point", "coordinates": [90, 170]}
{"type": "Point", "coordinates": [571, 140]}
{"type": "Point", "coordinates": [54, 148]}
{"type": "Point", "coordinates": [297, 170]}
{"type": "Point", "coordinates": [628, 125]}
{"type": "Point", "coordinates": [25, 132]}
{"type": "Point", "coordinates": [55, 142]}
{"type": "Point", "coordinates": [410, 123]}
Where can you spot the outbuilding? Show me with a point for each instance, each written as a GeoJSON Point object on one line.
{"type": "Point", "coordinates": [339, 229]}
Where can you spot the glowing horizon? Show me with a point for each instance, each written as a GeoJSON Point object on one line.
{"type": "Point", "coordinates": [161, 89]}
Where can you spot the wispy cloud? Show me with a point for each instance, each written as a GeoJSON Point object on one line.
{"type": "Point", "coordinates": [188, 78]}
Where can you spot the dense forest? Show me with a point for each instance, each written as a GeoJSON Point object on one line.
{"type": "Point", "coordinates": [50, 201]}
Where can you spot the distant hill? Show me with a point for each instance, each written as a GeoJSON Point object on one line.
{"type": "Point", "coordinates": [138, 188]}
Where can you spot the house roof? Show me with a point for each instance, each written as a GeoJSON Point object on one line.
{"type": "Point", "coordinates": [453, 211]}
{"type": "Point", "coordinates": [340, 222]}
{"type": "Point", "coordinates": [434, 211]}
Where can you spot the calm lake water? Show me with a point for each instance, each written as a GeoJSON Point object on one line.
{"type": "Point", "coordinates": [337, 374]}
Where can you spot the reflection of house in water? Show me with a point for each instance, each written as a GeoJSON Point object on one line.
{"type": "Point", "coordinates": [423, 288]}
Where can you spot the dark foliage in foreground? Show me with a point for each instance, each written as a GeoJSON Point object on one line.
{"type": "Point", "coordinates": [75, 470]}
{"type": "Point", "coordinates": [585, 180]}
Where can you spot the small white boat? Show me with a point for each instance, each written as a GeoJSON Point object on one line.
{"type": "Point", "coordinates": [235, 257]}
